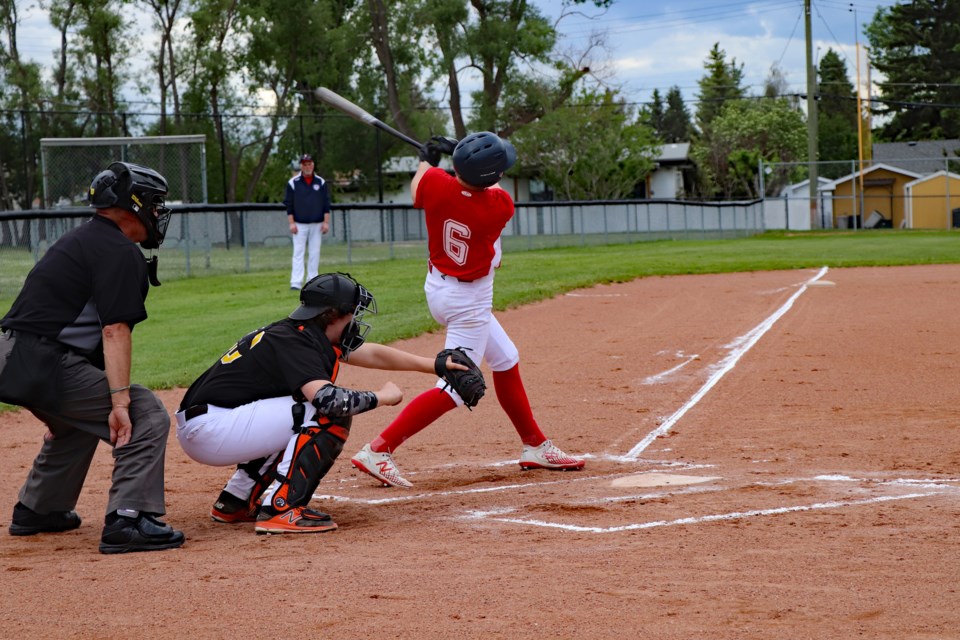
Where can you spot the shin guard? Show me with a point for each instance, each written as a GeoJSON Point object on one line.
{"type": "Point", "coordinates": [315, 450]}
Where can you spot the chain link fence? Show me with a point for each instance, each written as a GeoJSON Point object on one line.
{"type": "Point", "coordinates": [68, 164]}
{"type": "Point", "coordinates": [213, 239]}
{"type": "Point", "coordinates": [901, 193]}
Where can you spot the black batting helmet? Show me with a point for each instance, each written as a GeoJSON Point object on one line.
{"type": "Point", "coordinates": [139, 190]}
{"type": "Point", "coordinates": [338, 291]}
{"type": "Point", "coordinates": [481, 158]}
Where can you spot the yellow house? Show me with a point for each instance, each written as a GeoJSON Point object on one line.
{"type": "Point", "coordinates": [932, 200]}
{"type": "Point", "coordinates": [876, 189]}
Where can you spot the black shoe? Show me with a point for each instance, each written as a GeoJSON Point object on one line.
{"type": "Point", "coordinates": [27, 522]}
{"type": "Point", "coordinates": [144, 533]}
{"type": "Point", "coordinates": [230, 509]}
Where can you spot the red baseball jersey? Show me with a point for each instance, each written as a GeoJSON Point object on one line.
{"type": "Point", "coordinates": [463, 226]}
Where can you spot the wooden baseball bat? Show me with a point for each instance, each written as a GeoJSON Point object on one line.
{"type": "Point", "coordinates": [339, 102]}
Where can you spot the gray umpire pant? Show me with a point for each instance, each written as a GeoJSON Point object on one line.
{"type": "Point", "coordinates": [58, 473]}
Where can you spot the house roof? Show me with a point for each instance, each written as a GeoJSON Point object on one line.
{"type": "Point", "coordinates": [409, 164]}
{"type": "Point", "coordinates": [674, 152]}
{"type": "Point", "coordinates": [932, 176]}
{"type": "Point", "coordinates": [823, 184]}
{"type": "Point", "coordinates": [920, 156]}
{"type": "Point", "coordinates": [871, 169]}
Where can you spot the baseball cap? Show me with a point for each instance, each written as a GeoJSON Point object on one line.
{"type": "Point", "coordinates": [306, 158]}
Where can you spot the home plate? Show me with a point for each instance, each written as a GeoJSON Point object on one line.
{"type": "Point", "coordinates": [659, 480]}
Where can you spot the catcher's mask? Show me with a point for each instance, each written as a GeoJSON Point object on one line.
{"type": "Point", "coordinates": [341, 292]}
{"type": "Point", "coordinates": [481, 158]}
{"type": "Point", "coordinates": [139, 190]}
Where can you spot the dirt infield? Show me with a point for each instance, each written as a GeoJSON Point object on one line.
{"type": "Point", "coordinates": [772, 455]}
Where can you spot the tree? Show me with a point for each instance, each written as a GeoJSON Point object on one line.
{"type": "Point", "coordinates": [22, 91]}
{"type": "Point", "coordinates": [914, 47]}
{"type": "Point", "coordinates": [653, 113]}
{"type": "Point", "coordinates": [775, 85]}
{"type": "Point", "coordinates": [719, 87]}
{"type": "Point", "coordinates": [593, 149]}
{"type": "Point", "coordinates": [837, 116]}
{"type": "Point", "coordinates": [101, 51]}
{"type": "Point", "coordinates": [676, 120]}
{"type": "Point", "coordinates": [747, 131]}
{"type": "Point", "coordinates": [165, 60]}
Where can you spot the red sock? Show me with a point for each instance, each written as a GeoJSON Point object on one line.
{"type": "Point", "coordinates": [513, 398]}
{"type": "Point", "coordinates": [422, 410]}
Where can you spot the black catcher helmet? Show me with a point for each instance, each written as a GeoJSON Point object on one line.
{"type": "Point", "coordinates": [481, 158]}
{"type": "Point", "coordinates": [341, 292]}
{"type": "Point", "coordinates": [140, 191]}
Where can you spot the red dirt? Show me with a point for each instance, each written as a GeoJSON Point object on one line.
{"type": "Point", "coordinates": [833, 442]}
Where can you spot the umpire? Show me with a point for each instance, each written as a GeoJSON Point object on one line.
{"type": "Point", "coordinates": [65, 355]}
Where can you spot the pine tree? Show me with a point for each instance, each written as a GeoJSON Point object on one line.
{"type": "Point", "coordinates": [914, 47]}
{"type": "Point", "coordinates": [721, 85]}
{"type": "Point", "coordinates": [837, 115]}
{"type": "Point", "coordinates": [653, 113]}
{"type": "Point", "coordinates": [676, 120]}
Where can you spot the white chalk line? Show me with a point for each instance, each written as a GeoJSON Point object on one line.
{"type": "Point", "coordinates": [736, 515]}
{"type": "Point", "coordinates": [660, 378]}
{"type": "Point", "coordinates": [458, 492]}
{"type": "Point", "coordinates": [595, 295]}
{"type": "Point", "coordinates": [740, 346]}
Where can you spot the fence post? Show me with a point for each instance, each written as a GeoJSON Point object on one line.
{"type": "Point", "coordinates": [348, 232]}
{"type": "Point", "coordinates": [946, 170]}
{"type": "Point", "coordinates": [583, 230]}
{"type": "Point", "coordinates": [606, 238]}
{"type": "Point", "coordinates": [244, 243]}
{"type": "Point", "coordinates": [390, 222]}
{"type": "Point", "coordinates": [186, 240]}
{"type": "Point", "coordinates": [763, 193]}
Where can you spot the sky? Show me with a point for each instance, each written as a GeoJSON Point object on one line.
{"type": "Point", "coordinates": [661, 44]}
{"type": "Point", "coordinates": [657, 44]}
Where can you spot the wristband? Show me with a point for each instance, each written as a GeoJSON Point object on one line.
{"type": "Point", "coordinates": [119, 389]}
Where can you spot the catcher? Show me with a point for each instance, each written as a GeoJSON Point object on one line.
{"type": "Point", "coordinates": [465, 215]}
{"type": "Point", "coordinates": [271, 406]}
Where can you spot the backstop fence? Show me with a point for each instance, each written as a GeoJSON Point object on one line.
{"type": "Point", "coordinates": [68, 163]}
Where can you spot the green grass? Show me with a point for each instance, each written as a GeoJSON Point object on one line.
{"type": "Point", "coordinates": [194, 320]}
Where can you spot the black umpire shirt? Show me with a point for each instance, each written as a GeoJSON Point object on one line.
{"type": "Point", "coordinates": [91, 277]}
{"type": "Point", "coordinates": [271, 362]}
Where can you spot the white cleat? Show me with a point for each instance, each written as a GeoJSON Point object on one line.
{"type": "Point", "coordinates": [548, 456]}
{"type": "Point", "coordinates": [381, 466]}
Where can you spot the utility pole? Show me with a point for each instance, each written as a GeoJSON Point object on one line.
{"type": "Point", "coordinates": [812, 147]}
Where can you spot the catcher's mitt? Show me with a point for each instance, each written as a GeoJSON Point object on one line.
{"type": "Point", "coordinates": [469, 384]}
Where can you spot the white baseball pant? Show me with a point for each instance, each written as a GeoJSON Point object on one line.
{"type": "Point", "coordinates": [466, 310]}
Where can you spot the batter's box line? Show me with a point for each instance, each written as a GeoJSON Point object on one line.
{"type": "Point", "coordinates": [610, 457]}
{"type": "Point", "coordinates": [459, 492]}
{"type": "Point", "coordinates": [937, 485]}
{"type": "Point", "coordinates": [920, 483]}
{"type": "Point", "coordinates": [496, 516]}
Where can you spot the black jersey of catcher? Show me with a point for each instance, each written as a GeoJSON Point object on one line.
{"type": "Point", "coordinates": [91, 277]}
{"type": "Point", "coordinates": [271, 362]}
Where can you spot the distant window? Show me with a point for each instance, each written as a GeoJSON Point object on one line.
{"type": "Point", "coordinates": [539, 191]}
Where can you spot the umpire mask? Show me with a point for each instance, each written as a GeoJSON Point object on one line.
{"type": "Point", "coordinates": [139, 190]}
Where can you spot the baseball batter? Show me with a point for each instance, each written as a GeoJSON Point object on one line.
{"type": "Point", "coordinates": [465, 215]}
{"type": "Point", "coordinates": [271, 406]}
